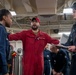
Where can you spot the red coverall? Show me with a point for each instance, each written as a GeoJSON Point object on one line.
{"type": "Point", "coordinates": [33, 46]}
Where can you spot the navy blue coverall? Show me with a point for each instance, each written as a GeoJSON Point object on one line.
{"type": "Point", "coordinates": [4, 50]}
{"type": "Point", "coordinates": [72, 41]}
{"type": "Point", "coordinates": [59, 61]}
{"type": "Point", "coordinates": [47, 64]}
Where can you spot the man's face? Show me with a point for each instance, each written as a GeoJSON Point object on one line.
{"type": "Point", "coordinates": [74, 14]}
{"type": "Point", "coordinates": [8, 20]}
{"type": "Point", "coordinates": [35, 25]}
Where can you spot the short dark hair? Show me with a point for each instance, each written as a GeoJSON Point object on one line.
{"type": "Point", "coordinates": [74, 5]}
{"type": "Point", "coordinates": [4, 12]}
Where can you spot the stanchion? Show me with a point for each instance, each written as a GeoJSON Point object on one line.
{"type": "Point", "coordinates": [13, 61]}
{"type": "Point", "coordinates": [19, 51]}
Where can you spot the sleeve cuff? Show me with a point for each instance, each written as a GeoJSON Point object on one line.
{"type": "Point", "coordinates": [5, 69]}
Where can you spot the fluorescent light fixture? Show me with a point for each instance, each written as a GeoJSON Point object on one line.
{"type": "Point", "coordinates": [13, 13]}
{"type": "Point", "coordinates": [68, 11]}
{"type": "Point", "coordinates": [67, 33]}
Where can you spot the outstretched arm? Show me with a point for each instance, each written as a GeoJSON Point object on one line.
{"type": "Point", "coordinates": [16, 36]}
{"type": "Point", "coordinates": [51, 40]}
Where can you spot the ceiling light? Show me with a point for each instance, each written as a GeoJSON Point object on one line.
{"type": "Point", "coordinates": [68, 11]}
{"type": "Point", "coordinates": [13, 13]}
{"type": "Point", "coordinates": [67, 33]}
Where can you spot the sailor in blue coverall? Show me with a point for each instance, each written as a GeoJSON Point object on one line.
{"type": "Point", "coordinates": [47, 61]}
{"type": "Point", "coordinates": [4, 49]}
{"type": "Point", "coordinates": [71, 43]}
{"type": "Point", "coordinates": [5, 20]}
{"type": "Point", "coordinates": [58, 61]}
